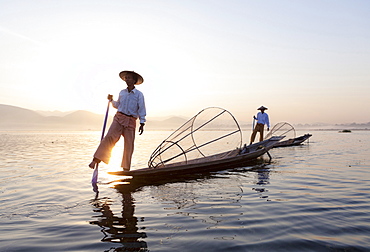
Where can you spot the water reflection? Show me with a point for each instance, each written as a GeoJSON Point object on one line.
{"type": "Point", "coordinates": [263, 179]}
{"type": "Point", "coordinates": [263, 176]}
{"type": "Point", "coordinates": [261, 173]}
{"type": "Point", "coordinates": [206, 196]}
{"type": "Point", "coordinates": [119, 229]}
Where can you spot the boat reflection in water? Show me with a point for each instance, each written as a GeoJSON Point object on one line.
{"type": "Point", "coordinates": [119, 229]}
{"type": "Point", "coordinates": [124, 229]}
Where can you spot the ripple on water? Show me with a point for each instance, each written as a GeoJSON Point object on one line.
{"type": "Point", "coordinates": [312, 197]}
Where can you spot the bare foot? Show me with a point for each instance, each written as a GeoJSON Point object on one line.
{"type": "Point", "coordinates": [92, 165]}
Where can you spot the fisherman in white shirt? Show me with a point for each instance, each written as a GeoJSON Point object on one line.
{"type": "Point", "coordinates": [262, 120]}
{"type": "Point", "coordinates": [130, 106]}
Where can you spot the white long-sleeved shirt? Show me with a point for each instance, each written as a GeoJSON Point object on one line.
{"type": "Point", "coordinates": [131, 103]}
{"type": "Point", "coordinates": [263, 118]}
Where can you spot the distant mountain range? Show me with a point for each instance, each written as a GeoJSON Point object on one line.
{"type": "Point", "coordinates": [16, 118]}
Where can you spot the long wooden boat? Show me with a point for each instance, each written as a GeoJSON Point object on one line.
{"type": "Point", "coordinates": [225, 160]}
{"type": "Point", "coordinates": [293, 142]}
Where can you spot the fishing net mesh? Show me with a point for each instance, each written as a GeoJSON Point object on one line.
{"type": "Point", "coordinates": [212, 131]}
{"type": "Point", "coordinates": [282, 129]}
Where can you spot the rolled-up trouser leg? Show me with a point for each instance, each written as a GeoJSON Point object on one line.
{"type": "Point", "coordinates": [129, 139]}
{"type": "Point", "coordinates": [253, 136]}
{"type": "Point", "coordinates": [104, 150]}
{"type": "Point", "coordinates": [259, 128]}
{"type": "Point", "coordinates": [261, 131]}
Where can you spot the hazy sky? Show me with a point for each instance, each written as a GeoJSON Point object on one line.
{"type": "Point", "coordinates": [307, 61]}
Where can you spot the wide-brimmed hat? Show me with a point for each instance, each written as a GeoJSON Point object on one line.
{"type": "Point", "coordinates": [123, 74]}
{"type": "Point", "coordinates": [262, 108]}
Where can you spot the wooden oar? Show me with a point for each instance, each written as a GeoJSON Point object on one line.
{"type": "Point", "coordinates": [94, 178]}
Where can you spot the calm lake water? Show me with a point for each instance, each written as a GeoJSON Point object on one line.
{"type": "Point", "coordinates": [313, 197]}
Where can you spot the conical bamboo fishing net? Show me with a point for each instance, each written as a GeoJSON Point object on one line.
{"type": "Point", "coordinates": [282, 129]}
{"type": "Point", "coordinates": [212, 131]}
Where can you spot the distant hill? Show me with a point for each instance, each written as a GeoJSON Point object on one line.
{"type": "Point", "coordinates": [12, 114]}
{"type": "Point", "coordinates": [355, 125]}
{"type": "Point", "coordinates": [16, 118]}
{"type": "Point", "coordinates": [53, 113]}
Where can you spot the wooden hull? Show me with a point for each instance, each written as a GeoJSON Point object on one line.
{"type": "Point", "coordinates": [293, 142]}
{"type": "Point", "coordinates": [223, 160]}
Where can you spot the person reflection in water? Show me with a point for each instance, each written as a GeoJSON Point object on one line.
{"type": "Point", "coordinates": [123, 229]}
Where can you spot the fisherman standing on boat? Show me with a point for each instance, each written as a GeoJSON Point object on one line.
{"type": "Point", "coordinates": [130, 106]}
{"type": "Point", "coordinates": [262, 120]}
